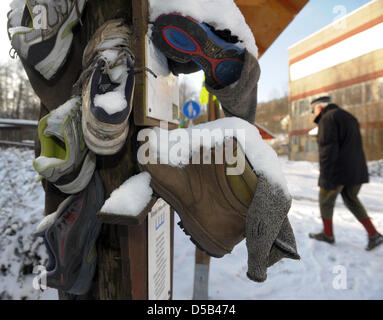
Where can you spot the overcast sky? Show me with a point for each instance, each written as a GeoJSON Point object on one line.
{"type": "Point", "coordinates": [274, 63]}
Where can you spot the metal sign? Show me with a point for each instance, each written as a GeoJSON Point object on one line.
{"type": "Point", "coordinates": [162, 92]}
{"type": "Point", "coordinates": [159, 260]}
{"type": "Point", "coordinates": [191, 109]}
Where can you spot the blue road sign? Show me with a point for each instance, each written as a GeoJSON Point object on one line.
{"type": "Point", "coordinates": [191, 109]}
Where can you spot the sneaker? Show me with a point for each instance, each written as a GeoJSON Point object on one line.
{"type": "Point", "coordinates": [322, 237]}
{"type": "Point", "coordinates": [212, 206]}
{"type": "Point", "coordinates": [65, 160]}
{"type": "Point", "coordinates": [70, 236]}
{"type": "Point", "coordinates": [46, 47]}
{"type": "Point", "coordinates": [184, 39]}
{"type": "Point", "coordinates": [108, 88]}
{"type": "Point", "coordinates": [374, 241]}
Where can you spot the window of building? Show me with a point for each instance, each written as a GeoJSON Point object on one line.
{"type": "Point", "coordinates": [295, 109]}
{"type": "Point", "coordinates": [339, 97]}
{"type": "Point", "coordinates": [347, 96]}
{"type": "Point", "coordinates": [368, 95]}
{"type": "Point", "coordinates": [353, 95]}
{"type": "Point", "coordinates": [356, 95]}
{"type": "Point", "coordinates": [304, 107]}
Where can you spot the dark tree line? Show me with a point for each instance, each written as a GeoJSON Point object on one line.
{"type": "Point", "coordinates": [272, 112]}
{"type": "Point", "coordinates": [17, 98]}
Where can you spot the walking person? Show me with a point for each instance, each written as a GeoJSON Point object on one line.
{"type": "Point", "coordinates": [343, 168]}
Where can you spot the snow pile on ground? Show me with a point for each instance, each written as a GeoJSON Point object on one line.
{"type": "Point", "coordinates": [221, 14]}
{"type": "Point", "coordinates": [375, 168]}
{"type": "Point", "coordinates": [21, 209]}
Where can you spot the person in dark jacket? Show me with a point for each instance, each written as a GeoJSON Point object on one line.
{"type": "Point", "coordinates": [343, 168]}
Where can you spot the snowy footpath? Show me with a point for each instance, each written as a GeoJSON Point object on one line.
{"type": "Point", "coordinates": [343, 271]}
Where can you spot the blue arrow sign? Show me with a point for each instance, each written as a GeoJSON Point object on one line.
{"type": "Point", "coordinates": [191, 109]}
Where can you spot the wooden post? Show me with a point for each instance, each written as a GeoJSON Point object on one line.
{"type": "Point", "coordinates": [202, 259]}
{"type": "Point", "coordinates": [123, 249]}
{"type": "Point", "coordinates": [201, 275]}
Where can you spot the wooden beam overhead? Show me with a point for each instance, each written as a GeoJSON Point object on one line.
{"type": "Point", "coordinates": [268, 18]}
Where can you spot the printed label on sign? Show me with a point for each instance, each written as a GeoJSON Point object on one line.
{"type": "Point", "coordinates": [159, 262]}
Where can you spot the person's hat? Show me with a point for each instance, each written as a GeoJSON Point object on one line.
{"type": "Point", "coordinates": [324, 99]}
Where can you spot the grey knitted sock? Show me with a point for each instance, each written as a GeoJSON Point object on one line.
{"type": "Point", "coordinates": [240, 98]}
{"type": "Point", "coordinates": [269, 236]}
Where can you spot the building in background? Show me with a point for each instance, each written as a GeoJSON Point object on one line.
{"type": "Point", "coordinates": [343, 60]}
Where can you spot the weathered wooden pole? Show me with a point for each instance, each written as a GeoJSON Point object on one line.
{"type": "Point", "coordinates": [202, 259]}
{"type": "Point", "coordinates": [123, 247]}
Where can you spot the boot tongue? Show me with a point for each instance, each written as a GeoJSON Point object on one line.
{"type": "Point", "coordinates": [55, 129]}
{"type": "Point", "coordinates": [57, 119]}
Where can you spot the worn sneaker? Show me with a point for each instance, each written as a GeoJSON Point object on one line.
{"type": "Point", "coordinates": [70, 235]}
{"type": "Point", "coordinates": [46, 46]}
{"type": "Point", "coordinates": [184, 39]}
{"type": "Point", "coordinates": [65, 160]}
{"type": "Point", "coordinates": [108, 88]}
{"type": "Point", "coordinates": [212, 205]}
{"type": "Point", "coordinates": [322, 237]}
{"type": "Point", "coordinates": [374, 241]}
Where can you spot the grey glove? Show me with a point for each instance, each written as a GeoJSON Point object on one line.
{"type": "Point", "coordinates": [269, 236]}
{"type": "Point", "coordinates": [240, 99]}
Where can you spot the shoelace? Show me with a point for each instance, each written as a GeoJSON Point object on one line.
{"type": "Point", "coordinates": [125, 51]}
{"type": "Point", "coordinates": [78, 12]}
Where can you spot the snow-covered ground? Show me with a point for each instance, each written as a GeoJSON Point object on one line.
{"type": "Point", "coordinates": [314, 277]}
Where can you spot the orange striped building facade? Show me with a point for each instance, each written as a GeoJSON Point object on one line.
{"type": "Point", "coordinates": [343, 60]}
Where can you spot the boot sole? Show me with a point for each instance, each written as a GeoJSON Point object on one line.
{"type": "Point", "coordinates": [183, 39]}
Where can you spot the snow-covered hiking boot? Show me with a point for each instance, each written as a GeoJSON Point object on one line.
{"type": "Point", "coordinates": [374, 241]}
{"type": "Point", "coordinates": [70, 235]}
{"type": "Point", "coordinates": [107, 88]}
{"type": "Point", "coordinates": [65, 159]}
{"type": "Point", "coordinates": [211, 204]}
{"type": "Point", "coordinates": [44, 36]}
{"type": "Point", "coordinates": [183, 39]}
{"type": "Point", "coordinates": [321, 236]}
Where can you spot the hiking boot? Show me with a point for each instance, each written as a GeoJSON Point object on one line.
{"type": "Point", "coordinates": [184, 39]}
{"type": "Point", "coordinates": [108, 87]}
{"type": "Point", "coordinates": [374, 241]}
{"type": "Point", "coordinates": [70, 236]}
{"type": "Point", "coordinates": [46, 47]}
{"type": "Point", "coordinates": [212, 205]}
{"type": "Point", "coordinates": [322, 237]}
{"type": "Point", "coordinates": [65, 160]}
